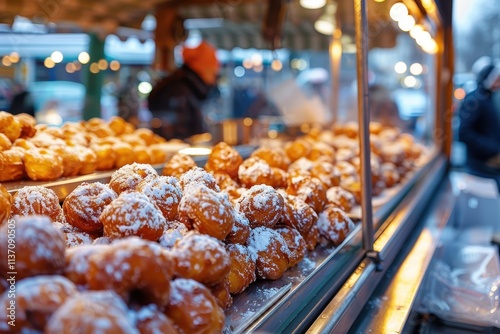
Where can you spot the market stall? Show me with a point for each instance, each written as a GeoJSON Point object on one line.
{"type": "Point", "coordinates": [325, 290]}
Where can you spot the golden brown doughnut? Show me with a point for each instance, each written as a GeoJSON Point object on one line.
{"type": "Point", "coordinates": [165, 192]}
{"type": "Point", "coordinates": [241, 229]}
{"type": "Point", "coordinates": [298, 148]}
{"type": "Point", "coordinates": [334, 224]}
{"type": "Point", "coordinates": [133, 140]}
{"type": "Point", "coordinates": [12, 165]}
{"type": "Point", "coordinates": [142, 154]}
{"type": "Point", "coordinates": [117, 124]}
{"type": "Point", "coordinates": [132, 214]}
{"type": "Point", "coordinates": [178, 165]}
{"type": "Point", "coordinates": [228, 185]}
{"type": "Point", "coordinates": [173, 232]}
{"type": "Point", "coordinates": [5, 142]}
{"type": "Point", "coordinates": [207, 211]}
{"type": "Point", "coordinates": [157, 153]}
{"type": "Point", "coordinates": [91, 312]}
{"type": "Point", "coordinates": [193, 308]}
{"type": "Point", "coordinates": [224, 159]}
{"type": "Point", "coordinates": [273, 156]}
{"type": "Point", "coordinates": [37, 298]}
{"type": "Point", "coordinates": [124, 154]}
{"type": "Point", "coordinates": [309, 189]}
{"type": "Point", "coordinates": [71, 160]}
{"type": "Point", "coordinates": [36, 200]}
{"type": "Point", "coordinates": [311, 237]}
{"type": "Point", "coordinates": [39, 247]}
{"type": "Point", "coordinates": [9, 126]}
{"type": "Point", "coordinates": [341, 198]}
{"type": "Point", "coordinates": [43, 164]}
{"type": "Point", "coordinates": [129, 176]}
{"type": "Point", "coordinates": [322, 151]}
{"type": "Point", "coordinates": [83, 206]}
{"type": "Point", "coordinates": [201, 257]}
{"type": "Point", "coordinates": [5, 204]}
{"type": "Point", "coordinates": [105, 156]}
{"type": "Point", "coordinates": [196, 176]}
{"type": "Point", "coordinates": [327, 173]}
{"type": "Point", "coordinates": [77, 238]}
{"type": "Point", "coordinates": [354, 187]}
{"type": "Point", "coordinates": [295, 243]}
{"type": "Point", "coordinates": [77, 263]}
{"type": "Point", "coordinates": [138, 270]}
{"type": "Point", "coordinates": [150, 320]}
{"type": "Point", "coordinates": [221, 293]}
{"type": "Point", "coordinates": [272, 252]}
{"type": "Point", "coordinates": [262, 205]}
{"type": "Point", "coordinates": [255, 171]}
{"type": "Point", "coordinates": [28, 124]}
{"type": "Point", "coordinates": [243, 266]}
{"type": "Point", "coordinates": [298, 214]}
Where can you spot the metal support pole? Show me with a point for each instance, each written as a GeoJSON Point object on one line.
{"type": "Point", "coordinates": [360, 15]}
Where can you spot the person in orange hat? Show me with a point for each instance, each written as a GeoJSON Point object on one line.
{"type": "Point", "coordinates": [175, 102]}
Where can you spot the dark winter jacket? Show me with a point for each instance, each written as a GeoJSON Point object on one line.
{"type": "Point", "coordinates": [175, 103]}
{"type": "Point", "coordinates": [480, 125]}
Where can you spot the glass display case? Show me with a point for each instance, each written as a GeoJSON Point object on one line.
{"type": "Point", "coordinates": [365, 90]}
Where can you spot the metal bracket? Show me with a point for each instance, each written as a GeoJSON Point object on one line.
{"type": "Point", "coordinates": [376, 258]}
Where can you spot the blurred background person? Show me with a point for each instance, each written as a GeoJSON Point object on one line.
{"type": "Point", "coordinates": [22, 101]}
{"type": "Point", "coordinates": [176, 101]}
{"type": "Point", "coordinates": [128, 101]}
{"type": "Point", "coordinates": [480, 125]}
{"type": "Point", "coordinates": [383, 108]}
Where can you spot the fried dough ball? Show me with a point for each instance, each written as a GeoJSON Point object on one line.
{"type": "Point", "coordinates": [39, 247]}
{"type": "Point", "coordinates": [105, 156]}
{"type": "Point", "coordinates": [241, 229]}
{"type": "Point", "coordinates": [132, 214]}
{"type": "Point", "coordinates": [178, 165]}
{"type": "Point", "coordinates": [301, 166]}
{"type": "Point", "coordinates": [327, 173]}
{"type": "Point", "coordinates": [309, 189]}
{"type": "Point", "coordinates": [37, 298]}
{"type": "Point", "coordinates": [5, 204]}
{"type": "Point", "coordinates": [92, 312]}
{"type": "Point", "coordinates": [347, 170]}
{"type": "Point", "coordinates": [28, 124]}
{"type": "Point", "coordinates": [298, 148]}
{"type": "Point", "coordinates": [138, 270]}
{"type": "Point", "coordinates": [354, 187]}
{"type": "Point", "coordinates": [341, 198]}
{"type": "Point", "coordinates": [311, 237]}
{"type": "Point", "coordinates": [207, 211]}
{"type": "Point", "coordinates": [295, 243]}
{"type": "Point", "coordinates": [150, 320]}
{"type": "Point", "coordinates": [262, 205]}
{"type": "Point", "coordinates": [297, 213]}
{"type": "Point", "coordinates": [224, 159]}
{"type": "Point", "coordinates": [12, 165]}
{"type": "Point", "coordinates": [5, 142]}
{"type": "Point", "coordinates": [9, 126]}
{"type": "Point", "coordinates": [83, 206]}
{"type": "Point", "coordinates": [117, 124]}
{"type": "Point", "coordinates": [88, 160]}
{"type": "Point", "coordinates": [133, 140]}
{"type": "Point", "coordinates": [334, 224]}
{"type": "Point", "coordinates": [71, 160]}
{"type": "Point", "coordinates": [165, 192]}
{"type": "Point", "coordinates": [193, 308]}
{"type": "Point", "coordinates": [157, 154]}
{"type": "Point", "coordinates": [36, 200]}
{"type": "Point", "coordinates": [142, 154]}
{"type": "Point", "coordinates": [274, 157]}
{"type": "Point", "coordinates": [243, 266]}
{"type": "Point", "coordinates": [255, 171]}
{"type": "Point", "coordinates": [201, 257]}
{"type": "Point", "coordinates": [129, 176]}
{"type": "Point", "coordinates": [321, 151]}
{"type": "Point", "coordinates": [43, 164]}
{"type": "Point", "coordinates": [390, 174]}
{"type": "Point", "coordinates": [196, 176]}
{"type": "Point", "coordinates": [77, 263]}
{"type": "Point", "coordinates": [124, 154]}
{"type": "Point", "coordinates": [174, 231]}
{"type": "Point", "coordinates": [228, 185]}
{"type": "Point", "coordinates": [77, 238]}
{"type": "Point", "coordinates": [221, 293]}
{"type": "Point", "coordinates": [273, 255]}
